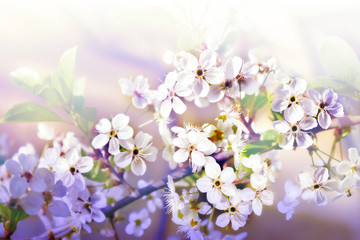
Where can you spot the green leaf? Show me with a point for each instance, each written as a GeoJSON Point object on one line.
{"type": "Point", "coordinates": [260, 101]}
{"type": "Point", "coordinates": [63, 77]}
{"type": "Point", "coordinates": [270, 135]}
{"type": "Point", "coordinates": [340, 60]}
{"type": "Point", "coordinates": [29, 112]}
{"type": "Point", "coordinates": [259, 147]}
{"type": "Point", "coordinates": [78, 102]}
{"type": "Point", "coordinates": [25, 78]}
{"type": "Point", "coordinates": [88, 117]}
{"type": "Point", "coordinates": [11, 216]}
{"type": "Point", "coordinates": [98, 174]}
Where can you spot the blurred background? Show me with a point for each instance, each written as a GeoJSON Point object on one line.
{"type": "Point", "coordinates": [117, 38]}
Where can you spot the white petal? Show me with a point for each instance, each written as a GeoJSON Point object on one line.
{"type": "Point", "coordinates": [207, 59]}
{"type": "Point", "coordinates": [198, 158]}
{"type": "Point", "coordinates": [138, 167]}
{"type": "Point", "coordinates": [267, 197]}
{"type": "Point", "coordinates": [320, 199]}
{"type": "Point", "coordinates": [315, 95]}
{"type": "Point", "coordinates": [151, 153]}
{"type": "Point", "coordinates": [97, 215]}
{"type": "Point", "coordinates": [321, 175]}
{"type": "Point", "coordinates": [59, 208]}
{"type": "Point", "coordinates": [32, 203]}
{"type": "Point", "coordinates": [279, 105]}
{"type": "Point", "coordinates": [353, 155]}
{"type": "Point", "coordinates": [294, 113]}
{"type": "Point", "coordinates": [165, 108]}
{"type": "Point", "coordinates": [257, 206]}
{"type": "Point", "coordinates": [103, 126]}
{"type": "Point", "coordinates": [213, 195]}
{"type": "Point", "coordinates": [142, 139]}
{"type": "Point", "coordinates": [215, 94]}
{"type": "Point", "coordinates": [228, 175]}
{"type": "Point", "coordinates": [286, 141]}
{"type": "Point", "coordinates": [258, 181]}
{"type": "Point", "coordinates": [303, 140]}
{"type": "Point", "coordinates": [215, 75]}
{"type": "Point", "coordinates": [114, 146]}
{"type": "Point", "coordinates": [181, 155]}
{"type": "Point", "coordinates": [298, 86]}
{"type": "Point", "coordinates": [100, 140]}
{"type": "Point", "coordinates": [223, 220]}
{"type": "Point", "coordinates": [120, 121]}
{"type": "Point", "coordinates": [130, 228]}
{"type": "Point", "coordinates": [233, 67]}
{"type": "Point", "coordinates": [188, 62]}
{"type": "Point", "coordinates": [281, 126]}
{"type": "Point", "coordinates": [139, 102]}
{"type": "Point", "coordinates": [324, 119]}
{"type": "Point", "coordinates": [309, 106]}
{"type": "Point", "coordinates": [85, 164]}
{"type": "Point", "coordinates": [13, 167]}
{"type": "Point", "coordinates": [178, 106]}
{"type": "Point", "coordinates": [18, 186]}
{"type": "Point", "coordinates": [249, 86]}
{"type": "Point", "coordinates": [305, 180]}
{"type": "Point", "coordinates": [125, 133]}
{"type": "Point", "coordinates": [308, 123]}
{"type": "Point", "coordinates": [212, 168]}
{"type": "Point", "coordinates": [28, 162]}
{"type": "Point", "coordinates": [123, 159]}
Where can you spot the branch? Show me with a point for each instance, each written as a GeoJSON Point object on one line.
{"type": "Point", "coordinates": [177, 175]}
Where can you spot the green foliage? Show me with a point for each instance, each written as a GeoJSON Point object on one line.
{"type": "Point", "coordinates": [87, 118]}
{"type": "Point", "coordinates": [97, 173]}
{"type": "Point", "coordinates": [341, 62]}
{"type": "Point", "coordinates": [25, 78]}
{"type": "Point", "coordinates": [270, 135]}
{"type": "Point", "coordinates": [260, 147]}
{"type": "Point", "coordinates": [29, 112]}
{"type": "Point", "coordinates": [253, 102]}
{"type": "Point", "coordinates": [11, 216]}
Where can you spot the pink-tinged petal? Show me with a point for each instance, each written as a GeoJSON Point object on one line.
{"type": "Point", "coordinates": [215, 93]}
{"type": "Point", "coordinates": [188, 62]}
{"type": "Point", "coordinates": [13, 167]}
{"type": "Point", "coordinates": [18, 186]}
{"type": "Point", "coordinates": [38, 185]}
{"type": "Point", "coordinates": [324, 119]}
{"type": "Point", "coordinates": [139, 102]}
{"type": "Point", "coordinates": [228, 175]}
{"type": "Point", "coordinates": [125, 133]}
{"type": "Point", "coordinates": [320, 198]}
{"type": "Point", "coordinates": [223, 220]}
{"type": "Point", "coordinates": [28, 162]}
{"type": "Point", "coordinates": [353, 155]}
{"type": "Point", "coordinates": [321, 175]}
{"type": "Point", "coordinates": [329, 96]}
{"type": "Point", "coordinates": [165, 108]}
{"type": "Point", "coordinates": [281, 126]}
{"type": "Point", "coordinates": [337, 110]}
{"type": "Point", "coordinates": [212, 168]}
{"type": "Point", "coordinates": [309, 106]}
{"type": "Point", "coordinates": [249, 86]}
{"type": "Point", "coordinates": [68, 179]}
{"type": "Point", "coordinates": [204, 184]}
{"type": "Point", "coordinates": [247, 194]}
{"type": "Point", "coordinates": [257, 206]}
{"type": "Point", "coordinates": [286, 141]}
{"type": "Point", "coordinates": [100, 140]}
{"type": "Point", "coordinates": [303, 140]}
{"type": "Point", "coordinates": [32, 203]}
{"type": "Point", "coordinates": [198, 158]}
{"type": "Point", "coordinates": [213, 195]}
{"type": "Point", "coordinates": [181, 155]}
{"type": "Point", "coordinates": [215, 75]}
{"type": "Point", "coordinates": [298, 86]}
{"type": "Point", "coordinates": [308, 123]}
{"type": "Point", "coordinates": [59, 208]}
{"type": "Point", "coordinates": [138, 167]}
{"type": "Point", "coordinates": [85, 164]}
{"type": "Point", "coordinates": [120, 121]}
{"type": "Point", "coordinates": [142, 139]}
{"type": "Point", "coordinates": [114, 146]}
{"type": "Point", "coordinates": [183, 89]}
{"type": "Point", "coordinates": [151, 153]}
{"type": "Point", "coordinates": [233, 67]}
{"type": "Point", "coordinates": [315, 95]}
{"type": "Point", "coordinates": [178, 106]}
{"type": "Point", "coordinates": [184, 78]}
{"type": "Point", "coordinates": [294, 113]}
{"type": "Point", "coordinates": [103, 126]}
{"type": "Point", "coordinates": [283, 91]}
{"type": "Point", "coordinates": [279, 105]}
{"type": "Point", "coordinates": [305, 180]}
{"type": "Point", "coordinates": [207, 59]}
{"type": "Point", "coordinates": [308, 194]}
{"type": "Point", "coordinates": [123, 159]}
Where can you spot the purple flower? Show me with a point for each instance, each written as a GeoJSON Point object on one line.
{"type": "Point", "coordinates": [326, 105]}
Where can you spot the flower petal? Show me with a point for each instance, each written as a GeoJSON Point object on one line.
{"type": "Point", "coordinates": [207, 59]}
{"type": "Point", "coordinates": [138, 167]}
{"type": "Point", "coordinates": [123, 159]}
{"type": "Point", "coordinates": [100, 140]}
{"type": "Point", "coordinates": [165, 108]}
{"type": "Point", "coordinates": [324, 119]}
{"type": "Point", "coordinates": [223, 220]}
{"type": "Point", "coordinates": [178, 106]}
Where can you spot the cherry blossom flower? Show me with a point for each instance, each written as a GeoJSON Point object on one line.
{"type": "Point", "coordinates": [138, 222]}
{"type": "Point", "coordinates": [237, 143]}
{"type": "Point", "coordinates": [350, 167]}
{"type": "Point", "coordinates": [169, 92]}
{"type": "Point", "coordinates": [138, 150]}
{"type": "Point", "coordinates": [203, 71]}
{"type": "Point", "coordinates": [258, 178]}
{"type": "Point", "coordinates": [138, 89]}
{"type": "Point", "coordinates": [112, 132]}
{"type": "Point", "coordinates": [71, 167]}
{"type": "Point", "coordinates": [326, 105]}
{"type": "Point", "coordinates": [292, 101]}
{"type": "Point", "coordinates": [190, 227]}
{"type": "Point", "coordinates": [193, 146]}
{"type": "Point", "coordinates": [291, 199]}
{"type": "Point", "coordinates": [50, 158]}
{"type": "Point", "coordinates": [153, 200]}
{"type": "Point", "coordinates": [313, 187]}
{"type": "Point", "coordinates": [216, 182]}
{"type": "Point", "coordinates": [173, 201]}
{"type": "Point", "coordinates": [90, 206]}
{"type": "Point", "coordinates": [25, 175]}
{"type": "Point", "coordinates": [295, 132]}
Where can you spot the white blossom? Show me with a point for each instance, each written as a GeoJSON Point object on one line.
{"type": "Point", "coordinates": [138, 222]}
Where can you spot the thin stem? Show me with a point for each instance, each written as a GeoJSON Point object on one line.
{"type": "Point", "coordinates": [111, 220]}
{"type": "Point", "coordinates": [330, 157]}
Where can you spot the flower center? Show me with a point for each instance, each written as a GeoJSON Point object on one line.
{"type": "Point", "coordinates": [135, 151]}
{"type": "Point", "coordinates": [47, 197]}
{"type": "Point", "coordinates": [292, 99]}
{"type": "Point", "coordinates": [217, 183]}
{"type": "Point", "coordinates": [138, 222]}
{"type": "Point", "coordinates": [322, 105]}
{"type": "Point", "coordinates": [87, 206]}
{"type": "Point", "coordinates": [240, 77]}
{"type": "Point", "coordinates": [199, 72]}
{"type": "Point", "coordinates": [28, 176]}
{"type": "Point", "coordinates": [228, 84]}
{"type": "Point", "coordinates": [232, 209]}
{"type": "Point", "coordinates": [112, 133]}
{"type": "Point", "coordinates": [294, 128]}
{"type": "Point", "coordinates": [191, 148]}
{"type": "Point", "coordinates": [73, 170]}
{"type": "Point", "coordinates": [316, 186]}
